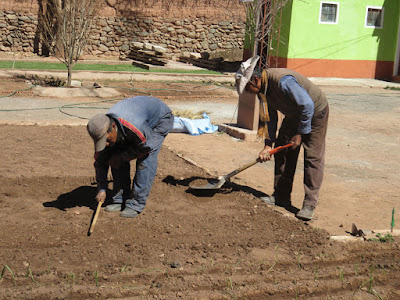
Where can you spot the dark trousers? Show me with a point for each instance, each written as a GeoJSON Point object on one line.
{"type": "Point", "coordinates": [314, 159]}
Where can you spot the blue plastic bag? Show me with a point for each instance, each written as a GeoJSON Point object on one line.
{"type": "Point", "coordinates": [194, 127]}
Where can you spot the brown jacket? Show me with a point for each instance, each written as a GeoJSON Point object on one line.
{"type": "Point", "coordinates": [277, 100]}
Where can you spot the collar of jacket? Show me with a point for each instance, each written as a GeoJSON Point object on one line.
{"type": "Point", "coordinates": [121, 134]}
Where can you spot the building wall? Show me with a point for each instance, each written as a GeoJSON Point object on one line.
{"type": "Point", "coordinates": [345, 49]}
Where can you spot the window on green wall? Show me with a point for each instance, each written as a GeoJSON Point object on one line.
{"type": "Point", "coordinates": [329, 12]}
{"type": "Point", "coordinates": [374, 17]}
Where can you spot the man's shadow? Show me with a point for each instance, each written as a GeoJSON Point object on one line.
{"type": "Point", "coordinates": [226, 188]}
{"type": "Point", "coordinates": [83, 196]}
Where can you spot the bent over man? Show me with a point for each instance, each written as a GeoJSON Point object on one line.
{"type": "Point", "coordinates": [305, 123]}
{"type": "Point", "coordinates": [134, 128]}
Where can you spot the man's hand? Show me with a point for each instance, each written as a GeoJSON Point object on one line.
{"type": "Point", "coordinates": [296, 140]}
{"type": "Point", "coordinates": [101, 196]}
{"type": "Point", "coordinates": [264, 154]}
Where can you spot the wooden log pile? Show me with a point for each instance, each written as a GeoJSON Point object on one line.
{"type": "Point", "coordinates": [216, 64]}
{"type": "Point", "coordinates": [148, 54]}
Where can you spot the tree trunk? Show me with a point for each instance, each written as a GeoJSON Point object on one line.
{"type": "Point", "coordinates": [69, 75]}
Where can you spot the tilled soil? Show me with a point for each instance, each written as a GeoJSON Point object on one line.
{"type": "Point", "coordinates": [219, 245]}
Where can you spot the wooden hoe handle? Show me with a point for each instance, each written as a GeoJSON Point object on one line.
{"type": "Point", "coordinates": [277, 149]}
{"type": "Point", "coordinates": [95, 217]}
{"type": "Point", "coordinates": [252, 163]}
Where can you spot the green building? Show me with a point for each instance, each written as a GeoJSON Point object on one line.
{"type": "Point", "coordinates": [343, 38]}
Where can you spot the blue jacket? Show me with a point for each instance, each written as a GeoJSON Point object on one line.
{"type": "Point", "coordinates": [136, 118]}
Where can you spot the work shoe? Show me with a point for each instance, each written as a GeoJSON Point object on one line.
{"type": "Point", "coordinates": [271, 200]}
{"type": "Point", "coordinates": [113, 207]}
{"type": "Point", "coordinates": [306, 213]}
{"type": "Point", "coordinates": [129, 213]}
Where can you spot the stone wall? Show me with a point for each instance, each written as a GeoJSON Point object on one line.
{"type": "Point", "coordinates": [113, 36]}
{"type": "Point", "coordinates": [208, 29]}
{"type": "Point", "coordinates": [17, 32]}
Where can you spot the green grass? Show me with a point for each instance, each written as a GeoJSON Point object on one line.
{"type": "Point", "coordinates": [12, 274]}
{"type": "Point", "coordinates": [26, 65]}
{"type": "Point", "coordinates": [29, 274]}
{"type": "Point", "coordinates": [96, 278]}
{"type": "Point", "coordinates": [392, 88]}
{"type": "Point", "coordinates": [382, 238]}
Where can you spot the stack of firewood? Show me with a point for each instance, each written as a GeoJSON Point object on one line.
{"type": "Point", "coordinates": [148, 54]}
{"type": "Point", "coordinates": [202, 60]}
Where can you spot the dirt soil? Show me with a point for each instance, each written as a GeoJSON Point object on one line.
{"type": "Point", "coordinates": [186, 245]}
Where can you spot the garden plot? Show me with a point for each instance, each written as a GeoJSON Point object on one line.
{"type": "Point", "coordinates": [224, 245]}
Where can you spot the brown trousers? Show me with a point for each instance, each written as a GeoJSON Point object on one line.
{"type": "Point", "coordinates": [314, 159]}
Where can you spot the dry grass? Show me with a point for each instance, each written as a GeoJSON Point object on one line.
{"type": "Point", "coordinates": [189, 114]}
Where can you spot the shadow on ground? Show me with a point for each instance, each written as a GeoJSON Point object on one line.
{"type": "Point", "coordinates": [227, 187]}
{"type": "Point", "coordinates": [83, 196]}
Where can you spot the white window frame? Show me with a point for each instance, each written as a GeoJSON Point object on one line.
{"type": "Point", "coordinates": [366, 17]}
{"type": "Point", "coordinates": [337, 12]}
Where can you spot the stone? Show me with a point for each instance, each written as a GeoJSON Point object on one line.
{"type": "Point", "coordinates": [182, 31]}
{"type": "Point", "coordinates": [137, 45]}
{"type": "Point", "coordinates": [224, 23]}
{"type": "Point", "coordinates": [4, 48]}
{"type": "Point", "coordinates": [11, 17]}
{"type": "Point", "coordinates": [175, 264]}
{"type": "Point", "coordinates": [147, 46]}
{"type": "Point", "coordinates": [8, 41]}
{"type": "Point", "coordinates": [185, 54]}
{"type": "Point", "coordinates": [159, 49]}
{"type": "Point", "coordinates": [164, 29]}
{"type": "Point", "coordinates": [103, 48]}
{"type": "Point", "coordinates": [102, 23]}
{"type": "Point", "coordinates": [124, 47]}
{"type": "Point", "coordinates": [213, 47]}
{"type": "Point", "coordinates": [24, 19]}
{"type": "Point", "coordinates": [76, 83]}
{"type": "Point", "coordinates": [143, 33]}
{"type": "Point", "coordinates": [195, 55]}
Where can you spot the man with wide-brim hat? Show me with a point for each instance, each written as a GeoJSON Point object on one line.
{"type": "Point", "coordinates": [306, 111]}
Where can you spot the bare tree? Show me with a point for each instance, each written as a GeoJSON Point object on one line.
{"type": "Point", "coordinates": [264, 25]}
{"type": "Point", "coordinates": [67, 26]}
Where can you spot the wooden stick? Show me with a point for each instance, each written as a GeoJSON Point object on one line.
{"type": "Point", "coordinates": [95, 217]}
